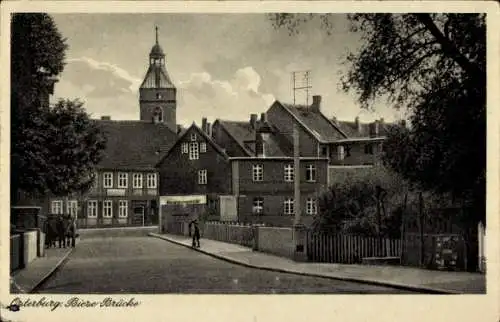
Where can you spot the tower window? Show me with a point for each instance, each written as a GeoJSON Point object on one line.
{"type": "Point", "coordinates": [158, 115]}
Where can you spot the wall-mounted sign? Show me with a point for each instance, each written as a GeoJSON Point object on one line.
{"type": "Point", "coordinates": [183, 200]}
{"type": "Point", "coordinates": [115, 192]}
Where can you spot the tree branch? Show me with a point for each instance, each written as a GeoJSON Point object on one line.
{"type": "Point", "coordinates": [449, 48]}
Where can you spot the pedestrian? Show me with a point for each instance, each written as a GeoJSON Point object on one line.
{"type": "Point", "coordinates": [196, 234]}
{"type": "Point", "coordinates": [61, 231]}
{"type": "Point", "coordinates": [72, 230]}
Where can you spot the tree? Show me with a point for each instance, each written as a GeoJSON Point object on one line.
{"type": "Point", "coordinates": [350, 203]}
{"type": "Point", "coordinates": [435, 66]}
{"type": "Point", "coordinates": [53, 149]}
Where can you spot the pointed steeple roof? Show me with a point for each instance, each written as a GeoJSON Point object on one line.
{"type": "Point", "coordinates": [157, 75]}
{"type": "Point", "coordinates": [156, 51]}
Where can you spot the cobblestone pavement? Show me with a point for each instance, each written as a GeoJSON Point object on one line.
{"type": "Point", "coordinates": [149, 265]}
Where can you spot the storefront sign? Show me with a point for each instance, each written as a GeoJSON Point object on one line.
{"type": "Point", "coordinates": [183, 200]}
{"type": "Point", "coordinates": [115, 192]}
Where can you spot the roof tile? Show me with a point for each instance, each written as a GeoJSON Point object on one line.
{"type": "Point", "coordinates": [316, 122]}
{"type": "Point", "coordinates": [134, 144]}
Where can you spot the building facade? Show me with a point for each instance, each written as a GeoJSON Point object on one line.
{"type": "Point", "coordinates": [127, 182]}
{"type": "Point", "coordinates": [195, 168]}
{"type": "Point", "coordinates": [264, 188]}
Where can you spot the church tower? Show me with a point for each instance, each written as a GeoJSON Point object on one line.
{"type": "Point", "coordinates": [157, 93]}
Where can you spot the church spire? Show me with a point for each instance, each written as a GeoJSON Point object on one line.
{"type": "Point", "coordinates": [156, 35]}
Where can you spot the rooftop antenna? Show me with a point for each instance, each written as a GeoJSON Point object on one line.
{"type": "Point", "coordinates": [301, 81]}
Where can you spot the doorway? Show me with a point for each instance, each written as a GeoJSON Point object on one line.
{"type": "Point", "coordinates": [138, 217]}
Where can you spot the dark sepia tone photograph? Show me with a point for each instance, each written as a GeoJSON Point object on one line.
{"type": "Point", "coordinates": [166, 153]}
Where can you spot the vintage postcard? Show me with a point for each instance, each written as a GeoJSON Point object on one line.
{"type": "Point", "coordinates": [250, 161]}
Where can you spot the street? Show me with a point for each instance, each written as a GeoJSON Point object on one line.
{"type": "Point", "coordinates": [146, 265]}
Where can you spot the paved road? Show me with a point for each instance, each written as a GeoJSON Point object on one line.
{"type": "Point", "coordinates": [147, 265]}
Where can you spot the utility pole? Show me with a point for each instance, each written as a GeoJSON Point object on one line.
{"type": "Point", "coordinates": [299, 233]}
{"type": "Point", "coordinates": [296, 175]}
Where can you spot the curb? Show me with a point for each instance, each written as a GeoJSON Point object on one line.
{"type": "Point", "coordinates": [419, 289]}
{"type": "Point", "coordinates": [44, 279]}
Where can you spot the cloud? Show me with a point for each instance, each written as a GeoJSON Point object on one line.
{"type": "Point", "coordinates": [233, 98]}
{"type": "Point", "coordinates": [99, 79]}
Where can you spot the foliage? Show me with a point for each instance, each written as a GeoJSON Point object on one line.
{"type": "Point", "coordinates": [435, 66]}
{"type": "Point", "coordinates": [350, 204]}
{"type": "Point", "coordinates": [60, 148]}
{"type": "Point", "coordinates": [37, 52]}
{"type": "Point", "coordinates": [53, 149]}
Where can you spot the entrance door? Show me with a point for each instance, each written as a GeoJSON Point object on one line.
{"type": "Point", "coordinates": [138, 217]}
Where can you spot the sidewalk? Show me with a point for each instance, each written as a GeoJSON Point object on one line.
{"type": "Point", "coordinates": [39, 270]}
{"type": "Point", "coordinates": [415, 279]}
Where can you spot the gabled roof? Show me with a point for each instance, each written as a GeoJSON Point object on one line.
{"type": "Point", "coordinates": [134, 144]}
{"type": "Point", "coordinates": [244, 135]}
{"type": "Point", "coordinates": [181, 136]}
{"type": "Point", "coordinates": [315, 123]}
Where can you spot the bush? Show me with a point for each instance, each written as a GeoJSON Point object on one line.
{"type": "Point", "coordinates": [350, 203]}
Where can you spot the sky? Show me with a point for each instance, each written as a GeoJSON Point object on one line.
{"type": "Point", "coordinates": [224, 66]}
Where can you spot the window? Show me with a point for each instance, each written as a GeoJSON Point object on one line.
{"type": "Point", "coordinates": [108, 209]}
{"type": "Point", "coordinates": [158, 95]}
{"type": "Point", "coordinates": [368, 149]}
{"type": "Point", "coordinates": [193, 151]}
{"type": "Point", "coordinates": [92, 208]}
{"type": "Point", "coordinates": [324, 151]}
{"type": "Point", "coordinates": [56, 207]}
{"type": "Point", "coordinates": [258, 172]}
{"type": "Point", "coordinates": [122, 180]}
{"type": "Point", "coordinates": [122, 208]}
{"type": "Point", "coordinates": [185, 148]}
{"type": "Point", "coordinates": [311, 173]}
{"type": "Point", "coordinates": [137, 181]}
{"type": "Point", "coordinates": [258, 205]}
{"type": "Point", "coordinates": [311, 207]}
{"type": "Point", "coordinates": [193, 136]}
{"type": "Point", "coordinates": [108, 180]}
{"type": "Point", "coordinates": [340, 152]}
{"type": "Point", "coordinates": [289, 173]}
{"type": "Point", "coordinates": [158, 115]}
{"type": "Point", "coordinates": [202, 176]}
{"type": "Point", "coordinates": [151, 180]}
{"type": "Point", "coordinates": [288, 206]}
{"type": "Point", "coordinates": [203, 147]}
{"type": "Point", "coordinates": [72, 208]}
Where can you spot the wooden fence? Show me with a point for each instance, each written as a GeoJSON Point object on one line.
{"type": "Point", "coordinates": [176, 228]}
{"type": "Point", "coordinates": [349, 249]}
{"type": "Point", "coordinates": [241, 234]}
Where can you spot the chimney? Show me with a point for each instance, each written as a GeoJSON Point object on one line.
{"type": "Point", "coordinates": [403, 123]}
{"type": "Point", "coordinates": [204, 124]}
{"type": "Point", "coordinates": [106, 118]}
{"type": "Point", "coordinates": [358, 124]}
{"type": "Point", "coordinates": [334, 120]}
{"type": "Point", "coordinates": [179, 128]}
{"type": "Point", "coordinates": [376, 128]}
{"type": "Point", "coordinates": [209, 129]}
{"type": "Point", "coordinates": [263, 117]}
{"type": "Point", "coordinates": [253, 121]}
{"type": "Point", "coordinates": [316, 104]}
